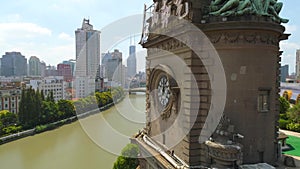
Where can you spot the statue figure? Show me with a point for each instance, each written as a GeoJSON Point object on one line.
{"type": "Point", "coordinates": [155, 15]}
{"type": "Point", "coordinates": [230, 7]}
{"type": "Point", "coordinates": [259, 7]}
{"type": "Point", "coordinates": [179, 6]}
{"type": "Point", "coordinates": [165, 13]}
{"type": "Point", "coordinates": [270, 8]}
{"type": "Point", "coordinates": [273, 8]}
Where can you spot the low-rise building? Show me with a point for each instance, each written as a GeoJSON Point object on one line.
{"type": "Point", "coordinates": [10, 98]}
{"type": "Point", "coordinates": [56, 84]}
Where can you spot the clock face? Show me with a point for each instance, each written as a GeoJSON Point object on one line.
{"type": "Point", "coordinates": [164, 92]}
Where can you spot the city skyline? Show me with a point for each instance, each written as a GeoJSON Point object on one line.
{"type": "Point", "coordinates": [46, 29]}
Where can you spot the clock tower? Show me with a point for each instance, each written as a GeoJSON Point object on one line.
{"type": "Point", "coordinates": [212, 83]}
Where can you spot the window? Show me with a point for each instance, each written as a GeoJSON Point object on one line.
{"type": "Point", "coordinates": [263, 104]}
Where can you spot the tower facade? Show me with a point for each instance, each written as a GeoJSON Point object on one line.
{"type": "Point", "coordinates": [87, 58]}
{"type": "Point", "coordinates": [212, 87]}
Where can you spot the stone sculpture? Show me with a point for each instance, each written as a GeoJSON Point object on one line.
{"type": "Point", "coordinates": [165, 13]}
{"type": "Point", "coordinates": [230, 7]}
{"type": "Point", "coordinates": [270, 8]}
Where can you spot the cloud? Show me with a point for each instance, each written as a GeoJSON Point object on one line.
{"type": "Point", "coordinates": [291, 28]}
{"type": "Point", "coordinates": [24, 28]}
{"type": "Point", "coordinates": [34, 40]}
{"type": "Point", "coordinates": [21, 32]}
{"type": "Point", "coordinates": [65, 36]}
{"type": "Point", "coordinates": [289, 46]}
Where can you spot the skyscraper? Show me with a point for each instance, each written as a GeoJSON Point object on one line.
{"type": "Point", "coordinates": [112, 63]}
{"type": "Point", "coordinates": [13, 64]}
{"type": "Point", "coordinates": [87, 50]}
{"type": "Point", "coordinates": [34, 66]}
{"type": "Point", "coordinates": [298, 64]}
{"type": "Point", "coordinates": [131, 62]}
{"type": "Point", "coordinates": [284, 73]}
{"type": "Point", "coordinates": [87, 59]}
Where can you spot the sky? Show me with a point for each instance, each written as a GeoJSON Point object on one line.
{"type": "Point", "coordinates": [46, 28]}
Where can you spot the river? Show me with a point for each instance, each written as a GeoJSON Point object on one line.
{"type": "Point", "coordinates": [70, 147]}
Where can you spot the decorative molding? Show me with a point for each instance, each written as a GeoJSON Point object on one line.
{"type": "Point", "coordinates": [244, 38]}
{"type": "Point", "coordinates": [169, 45]}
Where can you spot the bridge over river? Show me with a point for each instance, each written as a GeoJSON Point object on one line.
{"type": "Point", "coordinates": [135, 90]}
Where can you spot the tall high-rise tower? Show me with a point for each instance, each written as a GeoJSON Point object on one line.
{"type": "Point", "coordinates": [34, 66]}
{"type": "Point", "coordinates": [131, 61]}
{"type": "Point", "coordinates": [87, 49]}
{"type": "Point", "coordinates": [87, 58]}
{"type": "Point", "coordinates": [298, 64]}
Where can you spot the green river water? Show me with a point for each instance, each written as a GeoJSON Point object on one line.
{"type": "Point", "coordinates": [70, 147]}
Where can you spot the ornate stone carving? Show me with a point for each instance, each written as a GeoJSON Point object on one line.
{"type": "Point", "coordinates": [161, 15]}
{"type": "Point", "coordinates": [241, 38]}
{"type": "Point", "coordinates": [168, 46]}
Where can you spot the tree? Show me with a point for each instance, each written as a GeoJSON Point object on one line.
{"type": "Point", "coordinates": [284, 105]}
{"type": "Point", "coordinates": [42, 95]}
{"type": "Point", "coordinates": [22, 108]}
{"type": "Point", "coordinates": [50, 97]}
{"type": "Point", "coordinates": [7, 118]}
{"type": "Point", "coordinates": [66, 108]}
{"type": "Point", "coordinates": [49, 112]}
{"type": "Point", "coordinates": [128, 158]}
{"type": "Point", "coordinates": [294, 113]}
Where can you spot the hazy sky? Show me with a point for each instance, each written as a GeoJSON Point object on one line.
{"type": "Point", "coordinates": [46, 28]}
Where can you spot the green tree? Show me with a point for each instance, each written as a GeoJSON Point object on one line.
{"type": "Point", "coordinates": [128, 158]}
{"type": "Point", "coordinates": [42, 95]}
{"type": "Point", "coordinates": [50, 97]}
{"type": "Point", "coordinates": [1, 127]}
{"type": "Point", "coordinates": [37, 107]}
{"type": "Point", "coordinates": [293, 113]}
{"type": "Point", "coordinates": [284, 105]}
{"type": "Point", "coordinates": [66, 108]}
{"type": "Point", "coordinates": [7, 118]}
{"type": "Point", "coordinates": [22, 108]}
{"type": "Point", "coordinates": [49, 112]}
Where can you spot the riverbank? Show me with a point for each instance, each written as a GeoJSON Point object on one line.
{"type": "Point", "coordinates": [51, 126]}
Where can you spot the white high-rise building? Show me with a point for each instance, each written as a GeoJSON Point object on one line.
{"type": "Point", "coordinates": [87, 59]}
